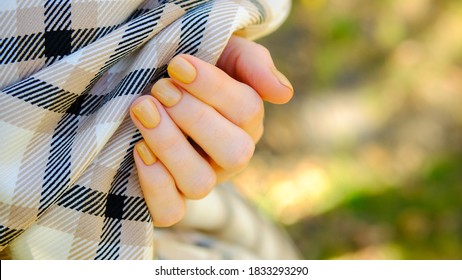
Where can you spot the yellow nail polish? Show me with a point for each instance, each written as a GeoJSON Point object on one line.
{"type": "Point", "coordinates": [166, 92]}
{"type": "Point", "coordinates": [282, 79]}
{"type": "Point", "coordinates": [146, 112]}
{"type": "Point", "coordinates": [145, 153]}
{"type": "Point", "coordinates": [182, 70]}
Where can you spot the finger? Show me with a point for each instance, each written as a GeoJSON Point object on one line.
{"type": "Point", "coordinates": [251, 63]}
{"type": "Point", "coordinates": [224, 174]}
{"type": "Point", "coordinates": [165, 203]}
{"type": "Point", "coordinates": [257, 133]}
{"type": "Point", "coordinates": [238, 102]}
{"type": "Point", "coordinates": [227, 144]}
{"type": "Point", "coordinates": [192, 173]}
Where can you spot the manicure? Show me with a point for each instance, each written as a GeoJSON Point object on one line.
{"type": "Point", "coordinates": [145, 153]}
{"type": "Point", "coordinates": [282, 79]}
{"type": "Point", "coordinates": [146, 112]}
{"type": "Point", "coordinates": [182, 70]}
{"type": "Point", "coordinates": [166, 92]}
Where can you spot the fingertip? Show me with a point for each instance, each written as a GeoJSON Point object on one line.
{"type": "Point", "coordinates": [181, 69]}
{"type": "Point", "coordinates": [144, 153]}
{"type": "Point", "coordinates": [145, 112]}
{"type": "Point", "coordinates": [288, 92]}
{"type": "Point", "coordinates": [252, 64]}
{"type": "Point", "coordinates": [166, 92]}
{"type": "Point", "coordinates": [274, 87]}
{"type": "Point", "coordinates": [281, 97]}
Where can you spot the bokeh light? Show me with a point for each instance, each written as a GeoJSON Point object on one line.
{"type": "Point", "coordinates": [366, 161]}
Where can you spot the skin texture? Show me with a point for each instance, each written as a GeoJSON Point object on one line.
{"type": "Point", "coordinates": [200, 126]}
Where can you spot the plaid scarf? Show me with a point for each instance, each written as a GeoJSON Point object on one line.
{"type": "Point", "coordinates": [69, 70]}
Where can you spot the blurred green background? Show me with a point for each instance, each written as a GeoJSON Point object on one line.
{"type": "Point", "coordinates": [366, 161]}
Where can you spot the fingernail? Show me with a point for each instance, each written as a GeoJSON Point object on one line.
{"type": "Point", "coordinates": [182, 70]}
{"type": "Point", "coordinates": [166, 92]}
{"type": "Point", "coordinates": [146, 112]}
{"type": "Point", "coordinates": [282, 79]}
{"type": "Point", "coordinates": [145, 153]}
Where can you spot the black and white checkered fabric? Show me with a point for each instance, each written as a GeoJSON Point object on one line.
{"type": "Point", "coordinates": [69, 70]}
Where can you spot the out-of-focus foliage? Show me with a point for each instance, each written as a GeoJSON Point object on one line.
{"type": "Point", "coordinates": [366, 161]}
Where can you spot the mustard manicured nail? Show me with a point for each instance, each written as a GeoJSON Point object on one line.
{"type": "Point", "coordinates": [145, 153]}
{"type": "Point", "coordinates": [282, 79]}
{"type": "Point", "coordinates": [182, 70]}
{"type": "Point", "coordinates": [146, 112]}
{"type": "Point", "coordinates": [166, 92]}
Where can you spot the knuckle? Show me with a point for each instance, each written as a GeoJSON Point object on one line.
{"type": "Point", "coordinates": [170, 209]}
{"type": "Point", "coordinates": [164, 182]}
{"type": "Point", "coordinates": [170, 217]}
{"type": "Point", "coordinates": [241, 155]}
{"type": "Point", "coordinates": [256, 111]}
{"type": "Point", "coordinates": [201, 185]}
{"type": "Point", "coordinates": [217, 86]}
{"type": "Point", "coordinates": [253, 113]}
{"type": "Point", "coordinates": [260, 48]}
{"type": "Point", "coordinates": [168, 142]}
{"type": "Point", "coordinates": [201, 115]}
{"type": "Point", "coordinates": [258, 134]}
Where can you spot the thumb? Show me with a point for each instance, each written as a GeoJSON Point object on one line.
{"type": "Point", "coordinates": [251, 63]}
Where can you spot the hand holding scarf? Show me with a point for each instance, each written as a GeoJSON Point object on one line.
{"type": "Point", "coordinates": [69, 71]}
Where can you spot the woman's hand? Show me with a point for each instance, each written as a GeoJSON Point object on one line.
{"type": "Point", "coordinates": [200, 126]}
